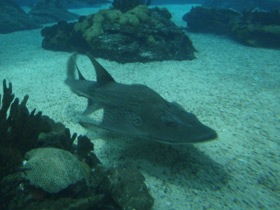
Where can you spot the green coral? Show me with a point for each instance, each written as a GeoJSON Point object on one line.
{"type": "Point", "coordinates": [258, 35]}
{"type": "Point", "coordinates": [21, 131]}
{"type": "Point", "coordinates": [53, 169]}
{"type": "Point", "coordinates": [36, 138]}
{"type": "Point", "coordinates": [141, 12]}
{"type": "Point", "coordinates": [151, 40]}
{"type": "Point", "coordinates": [93, 25]}
{"type": "Point", "coordinates": [272, 29]}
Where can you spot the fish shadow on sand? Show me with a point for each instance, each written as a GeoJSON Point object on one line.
{"type": "Point", "coordinates": [182, 165]}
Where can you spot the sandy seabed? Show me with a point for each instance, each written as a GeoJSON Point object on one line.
{"type": "Point", "coordinates": [232, 88]}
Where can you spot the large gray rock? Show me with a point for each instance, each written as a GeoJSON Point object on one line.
{"type": "Point", "coordinates": [138, 35]}
{"type": "Point", "coordinates": [50, 11]}
{"type": "Point", "coordinates": [13, 18]}
{"type": "Point", "coordinates": [241, 5]}
{"type": "Point", "coordinates": [53, 169]}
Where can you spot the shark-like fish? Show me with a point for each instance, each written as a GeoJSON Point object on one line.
{"type": "Point", "coordinates": [134, 110]}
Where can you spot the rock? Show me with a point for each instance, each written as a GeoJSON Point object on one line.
{"type": "Point", "coordinates": [50, 11]}
{"type": "Point", "coordinates": [211, 20]}
{"type": "Point", "coordinates": [252, 28]}
{"type": "Point", "coordinates": [130, 182]}
{"type": "Point", "coordinates": [126, 186]}
{"type": "Point", "coordinates": [53, 169]}
{"type": "Point", "coordinates": [125, 5]}
{"type": "Point", "coordinates": [158, 2]}
{"type": "Point", "coordinates": [13, 18]}
{"type": "Point", "coordinates": [138, 35]}
{"type": "Point", "coordinates": [241, 5]}
{"type": "Point", "coordinates": [258, 29]}
{"type": "Point", "coordinates": [66, 3]}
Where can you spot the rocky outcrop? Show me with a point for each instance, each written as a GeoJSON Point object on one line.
{"type": "Point", "coordinates": [125, 5]}
{"type": "Point", "coordinates": [157, 2]}
{"type": "Point", "coordinates": [256, 28]}
{"type": "Point", "coordinates": [210, 20]}
{"type": "Point", "coordinates": [42, 168]}
{"type": "Point", "coordinates": [13, 18]}
{"type": "Point", "coordinates": [241, 5]}
{"type": "Point", "coordinates": [53, 169]}
{"type": "Point", "coordinates": [138, 35]}
{"type": "Point", "coordinates": [50, 11]}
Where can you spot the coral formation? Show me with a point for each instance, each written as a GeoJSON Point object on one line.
{"type": "Point", "coordinates": [93, 25]}
{"type": "Point", "coordinates": [137, 35]}
{"type": "Point", "coordinates": [41, 167]}
{"type": "Point", "coordinates": [21, 131]}
{"type": "Point", "coordinates": [252, 28]}
{"type": "Point", "coordinates": [123, 185]}
{"type": "Point", "coordinates": [18, 131]}
{"type": "Point", "coordinates": [42, 163]}
{"type": "Point", "coordinates": [258, 29]}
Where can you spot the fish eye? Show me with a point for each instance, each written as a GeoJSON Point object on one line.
{"type": "Point", "coordinates": [135, 119]}
{"type": "Point", "coordinates": [169, 122]}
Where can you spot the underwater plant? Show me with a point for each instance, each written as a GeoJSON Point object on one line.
{"type": "Point", "coordinates": [21, 131]}
{"type": "Point", "coordinates": [41, 167]}
{"type": "Point", "coordinates": [125, 5]}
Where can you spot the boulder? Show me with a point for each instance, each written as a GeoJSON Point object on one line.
{"type": "Point", "coordinates": [52, 169]}
{"type": "Point", "coordinates": [211, 20]}
{"type": "Point", "coordinates": [50, 11]}
{"type": "Point", "coordinates": [241, 5]}
{"type": "Point", "coordinates": [259, 29]}
{"type": "Point", "coordinates": [252, 28]}
{"type": "Point", "coordinates": [125, 5]}
{"type": "Point", "coordinates": [13, 18]}
{"type": "Point", "coordinates": [128, 181]}
{"type": "Point", "coordinates": [125, 186]}
{"type": "Point", "coordinates": [138, 35]}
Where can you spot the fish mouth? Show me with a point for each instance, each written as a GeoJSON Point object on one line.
{"type": "Point", "coordinates": [209, 134]}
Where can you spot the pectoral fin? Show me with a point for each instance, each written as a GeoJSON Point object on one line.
{"type": "Point", "coordinates": [91, 107]}
{"type": "Point", "coordinates": [89, 125]}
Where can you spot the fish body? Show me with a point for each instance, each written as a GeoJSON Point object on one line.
{"type": "Point", "coordinates": [135, 110]}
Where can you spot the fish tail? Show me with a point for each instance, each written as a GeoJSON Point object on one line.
{"type": "Point", "coordinates": [71, 66]}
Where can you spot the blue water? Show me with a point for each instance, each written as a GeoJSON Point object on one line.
{"type": "Point", "coordinates": [232, 87]}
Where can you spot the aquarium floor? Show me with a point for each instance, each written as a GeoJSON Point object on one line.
{"type": "Point", "coordinates": [232, 88]}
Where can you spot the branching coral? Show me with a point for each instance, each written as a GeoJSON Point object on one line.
{"type": "Point", "coordinates": [21, 131]}
{"type": "Point", "coordinates": [18, 130]}
{"type": "Point", "coordinates": [93, 186]}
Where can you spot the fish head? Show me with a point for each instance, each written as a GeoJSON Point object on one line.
{"type": "Point", "coordinates": [173, 125]}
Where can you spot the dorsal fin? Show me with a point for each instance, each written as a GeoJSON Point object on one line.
{"type": "Point", "coordinates": [71, 67]}
{"type": "Point", "coordinates": [81, 77]}
{"type": "Point", "coordinates": [102, 75]}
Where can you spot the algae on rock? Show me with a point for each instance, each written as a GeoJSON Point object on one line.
{"type": "Point", "coordinates": [140, 34]}
{"type": "Point", "coordinates": [41, 167]}
{"type": "Point", "coordinates": [252, 28]}
{"type": "Point", "coordinates": [53, 169]}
